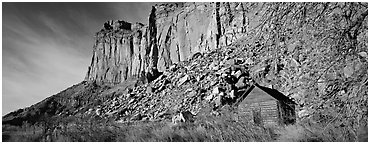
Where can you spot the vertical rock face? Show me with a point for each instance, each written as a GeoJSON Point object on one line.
{"type": "Point", "coordinates": [118, 53]}
{"type": "Point", "coordinates": [175, 32]}
{"type": "Point", "coordinates": [183, 29]}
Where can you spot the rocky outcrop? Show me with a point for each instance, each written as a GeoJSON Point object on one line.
{"type": "Point", "coordinates": [175, 32]}
{"type": "Point", "coordinates": [118, 52]}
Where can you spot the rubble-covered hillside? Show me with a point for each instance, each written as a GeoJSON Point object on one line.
{"type": "Point", "coordinates": [314, 53]}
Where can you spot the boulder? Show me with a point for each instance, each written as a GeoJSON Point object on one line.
{"type": "Point", "coordinates": [173, 68]}
{"type": "Point", "coordinates": [248, 61]}
{"type": "Point", "coordinates": [136, 117]}
{"type": "Point", "coordinates": [348, 71]}
{"type": "Point", "coordinates": [192, 93]}
{"type": "Point", "coordinates": [237, 74]}
{"type": "Point", "coordinates": [185, 116]}
{"type": "Point", "coordinates": [215, 91]}
{"type": "Point", "coordinates": [209, 97]}
{"type": "Point", "coordinates": [214, 66]}
{"type": "Point", "coordinates": [199, 78]}
{"type": "Point", "coordinates": [218, 101]}
{"type": "Point", "coordinates": [232, 94]}
{"type": "Point", "coordinates": [230, 62]}
{"type": "Point", "coordinates": [363, 54]}
{"type": "Point", "coordinates": [188, 116]}
{"type": "Point", "coordinates": [241, 83]}
{"type": "Point", "coordinates": [182, 80]}
{"type": "Point", "coordinates": [178, 118]}
{"type": "Point", "coordinates": [149, 89]}
{"type": "Point", "coordinates": [98, 111]}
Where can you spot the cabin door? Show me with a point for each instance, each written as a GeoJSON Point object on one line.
{"type": "Point", "coordinates": [257, 118]}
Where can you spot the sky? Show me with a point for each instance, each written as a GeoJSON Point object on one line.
{"type": "Point", "coordinates": [47, 47]}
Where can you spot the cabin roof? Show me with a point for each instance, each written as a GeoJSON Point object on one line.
{"type": "Point", "coordinates": [259, 93]}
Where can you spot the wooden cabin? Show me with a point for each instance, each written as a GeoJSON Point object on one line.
{"type": "Point", "coordinates": [262, 105]}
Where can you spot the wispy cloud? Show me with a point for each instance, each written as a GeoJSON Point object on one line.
{"type": "Point", "coordinates": [37, 65]}
{"type": "Point", "coordinates": [47, 47]}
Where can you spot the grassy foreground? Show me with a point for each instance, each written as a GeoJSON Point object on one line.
{"type": "Point", "coordinates": [205, 128]}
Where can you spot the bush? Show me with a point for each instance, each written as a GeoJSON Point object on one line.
{"type": "Point", "coordinates": [206, 128]}
{"type": "Point", "coordinates": [318, 132]}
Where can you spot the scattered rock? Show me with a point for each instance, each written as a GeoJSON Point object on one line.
{"type": "Point", "coordinates": [149, 89]}
{"type": "Point", "coordinates": [199, 78]}
{"type": "Point", "coordinates": [215, 91]}
{"type": "Point", "coordinates": [132, 100]}
{"type": "Point", "coordinates": [186, 116]}
{"type": "Point", "coordinates": [248, 61]}
{"type": "Point", "coordinates": [183, 80]}
{"type": "Point", "coordinates": [209, 97]}
{"type": "Point", "coordinates": [98, 111]}
{"type": "Point", "coordinates": [173, 68]}
{"type": "Point", "coordinates": [237, 74]}
{"type": "Point", "coordinates": [213, 83]}
{"type": "Point", "coordinates": [145, 119]}
{"type": "Point", "coordinates": [217, 100]}
{"type": "Point", "coordinates": [240, 83]}
{"type": "Point", "coordinates": [348, 71]}
{"type": "Point", "coordinates": [136, 117]}
{"type": "Point", "coordinates": [213, 67]}
{"type": "Point", "coordinates": [363, 54]}
{"type": "Point", "coordinates": [192, 94]}
{"type": "Point", "coordinates": [230, 62]}
{"type": "Point", "coordinates": [232, 94]}
{"type": "Point", "coordinates": [178, 118]}
{"type": "Point", "coordinates": [303, 113]}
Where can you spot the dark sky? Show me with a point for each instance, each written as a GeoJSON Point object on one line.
{"type": "Point", "coordinates": [47, 47]}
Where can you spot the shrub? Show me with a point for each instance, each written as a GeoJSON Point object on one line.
{"type": "Point", "coordinates": [318, 132]}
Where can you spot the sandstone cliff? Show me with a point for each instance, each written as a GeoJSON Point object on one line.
{"type": "Point", "coordinates": [118, 52]}
{"type": "Point", "coordinates": [312, 52]}
{"type": "Point", "coordinates": [175, 32]}
{"type": "Point", "coordinates": [315, 53]}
